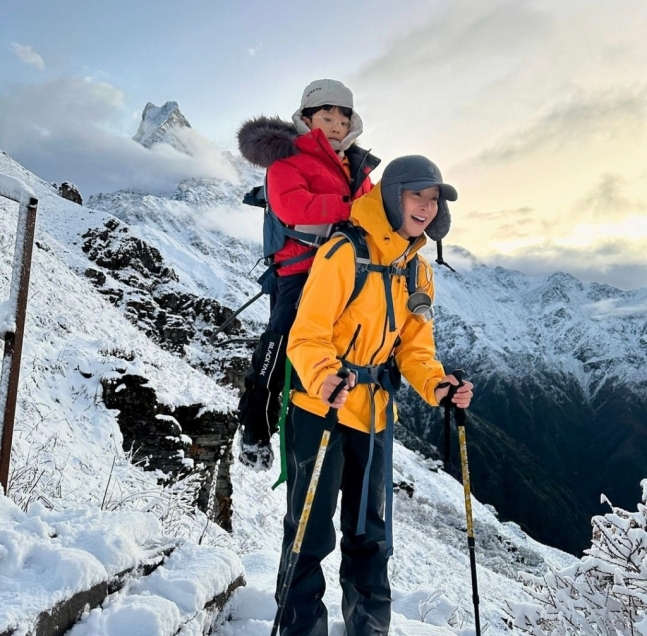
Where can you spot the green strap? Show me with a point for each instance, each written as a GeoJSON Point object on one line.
{"type": "Point", "coordinates": [284, 409]}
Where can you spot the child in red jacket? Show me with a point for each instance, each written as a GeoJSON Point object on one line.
{"type": "Point", "coordinates": [315, 171]}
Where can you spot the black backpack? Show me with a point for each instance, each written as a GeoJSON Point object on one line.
{"type": "Point", "coordinates": [275, 233]}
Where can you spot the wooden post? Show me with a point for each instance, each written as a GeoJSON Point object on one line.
{"type": "Point", "coordinates": [12, 189]}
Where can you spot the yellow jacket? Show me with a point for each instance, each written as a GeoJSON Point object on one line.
{"type": "Point", "coordinates": [324, 327]}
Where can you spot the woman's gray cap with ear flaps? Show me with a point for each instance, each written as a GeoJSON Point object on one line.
{"type": "Point", "coordinates": [415, 172]}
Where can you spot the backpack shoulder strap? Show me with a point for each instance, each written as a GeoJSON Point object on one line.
{"type": "Point", "coordinates": [412, 275]}
{"type": "Point", "coordinates": [355, 236]}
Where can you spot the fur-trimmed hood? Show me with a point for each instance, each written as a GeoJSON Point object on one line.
{"type": "Point", "coordinates": [264, 140]}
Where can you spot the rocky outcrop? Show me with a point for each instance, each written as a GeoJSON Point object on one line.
{"type": "Point", "coordinates": [177, 441]}
{"type": "Point", "coordinates": [133, 276]}
{"type": "Point", "coordinates": [70, 192]}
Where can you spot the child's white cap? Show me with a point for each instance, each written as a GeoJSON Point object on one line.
{"type": "Point", "coordinates": [326, 91]}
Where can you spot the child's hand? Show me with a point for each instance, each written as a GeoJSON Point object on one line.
{"type": "Point", "coordinates": [463, 395]}
{"type": "Point", "coordinates": [330, 384]}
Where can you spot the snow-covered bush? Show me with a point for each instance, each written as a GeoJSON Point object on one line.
{"type": "Point", "coordinates": [605, 593]}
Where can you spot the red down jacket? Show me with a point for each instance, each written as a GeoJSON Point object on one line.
{"type": "Point", "coordinates": [312, 187]}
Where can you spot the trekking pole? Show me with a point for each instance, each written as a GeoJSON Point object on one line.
{"type": "Point", "coordinates": [447, 434]}
{"type": "Point", "coordinates": [461, 418]}
{"type": "Point", "coordinates": [331, 420]}
{"type": "Point", "coordinates": [224, 324]}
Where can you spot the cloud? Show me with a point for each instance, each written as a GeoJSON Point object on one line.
{"type": "Point", "coordinates": [242, 222]}
{"type": "Point", "coordinates": [252, 51]}
{"type": "Point", "coordinates": [616, 262]}
{"type": "Point", "coordinates": [579, 120]}
{"type": "Point", "coordinates": [607, 198]}
{"type": "Point", "coordinates": [28, 55]}
{"type": "Point", "coordinates": [71, 129]}
{"type": "Point", "coordinates": [506, 224]}
{"type": "Point", "coordinates": [429, 84]}
{"type": "Point", "coordinates": [467, 32]}
{"type": "Point", "coordinates": [537, 113]}
{"type": "Point", "coordinates": [498, 79]}
{"type": "Point", "coordinates": [609, 307]}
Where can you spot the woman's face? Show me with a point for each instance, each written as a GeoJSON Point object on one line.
{"type": "Point", "coordinates": [419, 209]}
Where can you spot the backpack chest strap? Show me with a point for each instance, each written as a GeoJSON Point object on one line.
{"type": "Point", "coordinates": [364, 266]}
{"type": "Point", "coordinates": [386, 271]}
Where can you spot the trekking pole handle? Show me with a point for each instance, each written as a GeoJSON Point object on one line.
{"type": "Point", "coordinates": [331, 416]}
{"type": "Point", "coordinates": [458, 374]}
{"type": "Point", "coordinates": [447, 403]}
{"type": "Point", "coordinates": [459, 413]}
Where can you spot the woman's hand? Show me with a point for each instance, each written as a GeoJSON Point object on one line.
{"type": "Point", "coordinates": [463, 395]}
{"type": "Point", "coordinates": [330, 384]}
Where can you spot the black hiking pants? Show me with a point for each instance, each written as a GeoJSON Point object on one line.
{"type": "Point", "coordinates": [259, 406]}
{"type": "Point", "coordinates": [366, 603]}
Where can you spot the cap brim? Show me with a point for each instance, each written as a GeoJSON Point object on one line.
{"type": "Point", "coordinates": [446, 191]}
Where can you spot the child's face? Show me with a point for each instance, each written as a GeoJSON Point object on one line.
{"type": "Point", "coordinates": [419, 209]}
{"type": "Point", "coordinates": [333, 123]}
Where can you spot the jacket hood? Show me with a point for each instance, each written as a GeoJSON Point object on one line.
{"type": "Point", "coordinates": [368, 212]}
{"type": "Point", "coordinates": [264, 140]}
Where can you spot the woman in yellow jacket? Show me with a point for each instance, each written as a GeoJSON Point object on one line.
{"type": "Point", "coordinates": [365, 336]}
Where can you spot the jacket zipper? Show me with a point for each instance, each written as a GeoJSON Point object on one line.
{"type": "Point", "coordinates": [386, 321]}
{"type": "Point", "coordinates": [351, 344]}
{"type": "Point", "coordinates": [338, 163]}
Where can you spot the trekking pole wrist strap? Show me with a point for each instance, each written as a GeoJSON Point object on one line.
{"type": "Point", "coordinates": [343, 374]}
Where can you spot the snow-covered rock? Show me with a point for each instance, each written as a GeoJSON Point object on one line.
{"type": "Point", "coordinates": [49, 559]}
{"type": "Point", "coordinates": [160, 124]}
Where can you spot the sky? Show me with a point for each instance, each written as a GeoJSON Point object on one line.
{"type": "Point", "coordinates": [535, 110]}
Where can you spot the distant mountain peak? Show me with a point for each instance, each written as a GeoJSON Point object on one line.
{"type": "Point", "coordinates": [158, 123]}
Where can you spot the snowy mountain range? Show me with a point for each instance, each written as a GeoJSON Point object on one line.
{"type": "Point", "coordinates": [559, 364]}
{"type": "Point", "coordinates": [120, 373]}
{"type": "Point", "coordinates": [562, 392]}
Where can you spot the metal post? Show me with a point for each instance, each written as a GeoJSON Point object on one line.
{"type": "Point", "coordinates": [16, 191]}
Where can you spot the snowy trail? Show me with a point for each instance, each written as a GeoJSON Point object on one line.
{"type": "Point", "coordinates": [253, 608]}
{"type": "Point", "coordinates": [429, 571]}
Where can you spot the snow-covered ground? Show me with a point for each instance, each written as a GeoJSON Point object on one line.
{"type": "Point", "coordinates": [45, 554]}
